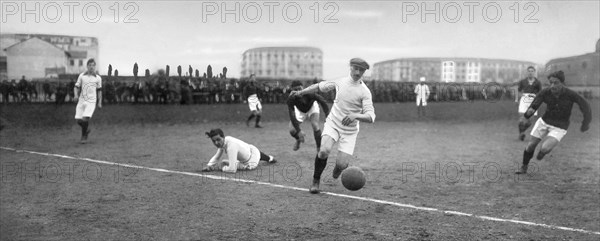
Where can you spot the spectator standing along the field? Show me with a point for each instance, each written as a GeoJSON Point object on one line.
{"type": "Point", "coordinates": [353, 103]}
{"type": "Point", "coordinates": [528, 88]}
{"type": "Point", "coordinates": [422, 91]}
{"type": "Point", "coordinates": [555, 121]}
{"type": "Point", "coordinates": [89, 86]}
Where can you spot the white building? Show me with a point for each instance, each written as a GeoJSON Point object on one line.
{"type": "Point", "coordinates": [283, 63]}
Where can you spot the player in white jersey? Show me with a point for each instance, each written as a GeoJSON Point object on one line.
{"type": "Point", "coordinates": [88, 94]}
{"type": "Point", "coordinates": [353, 103]}
{"type": "Point", "coordinates": [234, 154]}
{"type": "Point", "coordinates": [422, 92]}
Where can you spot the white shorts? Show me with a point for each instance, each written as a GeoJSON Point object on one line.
{"type": "Point", "coordinates": [541, 130]}
{"type": "Point", "coordinates": [346, 140]}
{"type": "Point", "coordinates": [301, 116]}
{"type": "Point", "coordinates": [251, 164]}
{"type": "Point", "coordinates": [84, 109]}
{"type": "Point", "coordinates": [421, 100]}
{"type": "Point", "coordinates": [525, 102]}
{"type": "Point", "coordinates": [254, 103]}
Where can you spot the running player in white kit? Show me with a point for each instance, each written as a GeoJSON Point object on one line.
{"type": "Point", "coordinates": [353, 103]}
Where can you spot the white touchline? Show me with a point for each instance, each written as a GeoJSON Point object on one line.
{"type": "Point", "coordinates": [306, 190]}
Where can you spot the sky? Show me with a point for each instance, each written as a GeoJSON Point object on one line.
{"type": "Point", "coordinates": [199, 33]}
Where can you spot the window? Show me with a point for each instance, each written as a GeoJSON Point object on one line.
{"type": "Point", "coordinates": [81, 62]}
{"type": "Point", "coordinates": [72, 62]}
{"type": "Point", "coordinates": [584, 65]}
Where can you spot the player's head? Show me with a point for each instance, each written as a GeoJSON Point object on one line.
{"type": "Point", "coordinates": [530, 71]}
{"type": "Point", "coordinates": [297, 85]}
{"type": "Point", "coordinates": [91, 66]}
{"type": "Point", "coordinates": [217, 137]}
{"type": "Point", "coordinates": [252, 78]}
{"type": "Point", "coordinates": [358, 67]}
{"type": "Point", "coordinates": [557, 81]}
{"type": "Point", "coordinates": [422, 80]}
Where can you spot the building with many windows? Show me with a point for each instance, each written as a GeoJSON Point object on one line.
{"type": "Point", "coordinates": [283, 63]}
{"type": "Point", "coordinates": [458, 70]}
{"type": "Point", "coordinates": [42, 55]}
{"type": "Point", "coordinates": [580, 70]}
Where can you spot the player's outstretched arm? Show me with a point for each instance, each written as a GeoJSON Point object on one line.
{"type": "Point", "coordinates": [585, 108]}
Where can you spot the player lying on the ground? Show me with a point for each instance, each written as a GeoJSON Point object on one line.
{"type": "Point", "coordinates": [305, 107]}
{"type": "Point", "coordinates": [234, 154]}
{"type": "Point", "coordinates": [555, 121]}
{"type": "Point", "coordinates": [353, 104]}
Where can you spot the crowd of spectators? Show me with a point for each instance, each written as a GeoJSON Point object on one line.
{"type": "Point", "coordinates": [160, 89]}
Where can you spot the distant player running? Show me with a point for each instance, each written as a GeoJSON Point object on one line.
{"type": "Point", "coordinates": [89, 85]}
{"type": "Point", "coordinates": [353, 103]}
{"type": "Point", "coordinates": [234, 154]}
{"type": "Point", "coordinates": [251, 93]}
{"type": "Point", "coordinates": [528, 88]}
{"type": "Point", "coordinates": [305, 107]}
{"type": "Point", "coordinates": [555, 121]}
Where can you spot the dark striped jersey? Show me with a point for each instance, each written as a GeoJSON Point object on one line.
{"type": "Point", "coordinates": [533, 88]}
{"type": "Point", "coordinates": [558, 108]}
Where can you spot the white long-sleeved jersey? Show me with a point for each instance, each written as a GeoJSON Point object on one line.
{"type": "Point", "coordinates": [239, 155]}
{"type": "Point", "coordinates": [422, 90]}
{"type": "Point", "coordinates": [351, 97]}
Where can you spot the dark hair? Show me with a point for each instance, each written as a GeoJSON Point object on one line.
{"type": "Point", "coordinates": [530, 67]}
{"type": "Point", "coordinates": [91, 61]}
{"type": "Point", "coordinates": [560, 75]}
{"type": "Point", "coordinates": [215, 132]}
{"type": "Point", "coordinates": [252, 75]}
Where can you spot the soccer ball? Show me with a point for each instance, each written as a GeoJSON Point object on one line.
{"type": "Point", "coordinates": [353, 178]}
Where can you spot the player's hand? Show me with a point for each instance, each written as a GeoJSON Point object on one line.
{"type": "Point", "coordinates": [584, 127]}
{"type": "Point", "coordinates": [99, 104]}
{"type": "Point", "coordinates": [76, 98]}
{"type": "Point", "coordinates": [294, 93]}
{"type": "Point", "coordinates": [348, 119]}
{"type": "Point", "coordinates": [207, 169]}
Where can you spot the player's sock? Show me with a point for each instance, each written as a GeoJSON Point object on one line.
{"type": "Point", "coordinates": [521, 127]}
{"type": "Point", "coordinates": [251, 117]}
{"type": "Point", "coordinates": [84, 128]}
{"type": "Point", "coordinates": [527, 157]}
{"type": "Point", "coordinates": [319, 167]}
{"type": "Point", "coordinates": [257, 120]}
{"type": "Point", "coordinates": [317, 134]}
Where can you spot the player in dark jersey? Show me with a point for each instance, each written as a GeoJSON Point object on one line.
{"type": "Point", "coordinates": [251, 93]}
{"type": "Point", "coordinates": [301, 108]}
{"type": "Point", "coordinates": [528, 88]}
{"type": "Point", "coordinates": [555, 121]}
